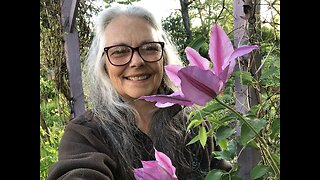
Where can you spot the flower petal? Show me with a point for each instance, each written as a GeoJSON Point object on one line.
{"type": "Point", "coordinates": [149, 164]}
{"type": "Point", "coordinates": [231, 62]}
{"type": "Point", "coordinates": [153, 174]}
{"type": "Point", "coordinates": [198, 85]}
{"type": "Point", "coordinates": [242, 50]}
{"type": "Point", "coordinates": [168, 100]}
{"type": "Point", "coordinates": [166, 175]}
{"type": "Point", "coordinates": [165, 162]}
{"type": "Point", "coordinates": [138, 173]}
{"type": "Point", "coordinates": [152, 170]}
{"type": "Point", "coordinates": [224, 76]}
{"type": "Point", "coordinates": [171, 71]}
{"type": "Point", "coordinates": [220, 47]}
{"type": "Point", "coordinates": [195, 59]}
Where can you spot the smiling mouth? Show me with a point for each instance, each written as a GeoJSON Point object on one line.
{"type": "Point", "coordinates": [137, 78]}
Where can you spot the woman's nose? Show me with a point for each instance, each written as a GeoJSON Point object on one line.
{"type": "Point", "coordinates": [136, 60]}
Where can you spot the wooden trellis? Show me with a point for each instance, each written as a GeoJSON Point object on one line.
{"type": "Point", "coordinates": [71, 44]}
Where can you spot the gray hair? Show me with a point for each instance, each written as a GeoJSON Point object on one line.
{"type": "Point", "coordinates": [117, 117]}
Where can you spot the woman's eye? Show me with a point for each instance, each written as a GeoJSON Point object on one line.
{"type": "Point", "coordinates": [119, 51]}
{"type": "Point", "coordinates": [150, 48]}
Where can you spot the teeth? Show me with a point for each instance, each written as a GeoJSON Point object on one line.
{"type": "Point", "coordinates": [137, 78]}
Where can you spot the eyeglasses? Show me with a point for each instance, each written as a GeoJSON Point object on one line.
{"type": "Point", "coordinates": [120, 55]}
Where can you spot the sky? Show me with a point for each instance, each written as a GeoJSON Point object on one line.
{"type": "Point", "coordinates": [161, 8]}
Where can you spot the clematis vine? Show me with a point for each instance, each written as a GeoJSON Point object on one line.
{"type": "Point", "coordinates": [158, 169]}
{"type": "Point", "coordinates": [198, 82]}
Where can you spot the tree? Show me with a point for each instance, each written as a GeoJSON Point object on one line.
{"type": "Point", "coordinates": [185, 16]}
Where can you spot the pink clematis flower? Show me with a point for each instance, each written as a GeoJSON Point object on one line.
{"type": "Point", "coordinates": [158, 169]}
{"type": "Point", "coordinates": [198, 82]}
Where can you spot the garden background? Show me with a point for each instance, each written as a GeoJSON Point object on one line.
{"type": "Point", "coordinates": [253, 89]}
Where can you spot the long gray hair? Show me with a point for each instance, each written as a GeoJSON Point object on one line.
{"type": "Point", "coordinates": [116, 116]}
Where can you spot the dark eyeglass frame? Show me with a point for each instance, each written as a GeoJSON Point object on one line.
{"type": "Point", "coordinates": [133, 49]}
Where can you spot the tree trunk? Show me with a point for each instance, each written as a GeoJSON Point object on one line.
{"type": "Point", "coordinates": [44, 126]}
{"type": "Point", "coordinates": [185, 17]}
{"type": "Point", "coordinates": [254, 65]}
{"type": "Point", "coordinates": [249, 157]}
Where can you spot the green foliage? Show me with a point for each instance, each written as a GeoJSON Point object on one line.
{"type": "Point", "coordinates": [49, 142]}
{"type": "Point", "coordinates": [173, 24]}
{"type": "Point", "coordinates": [207, 13]}
{"type": "Point", "coordinates": [203, 136]}
{"type": "Point", "coordinates": [47, 90]}
{"type": "Point", "coordinates": [259, 127]}
{"type": "Point", "coordinates": [228, 151]}
{"type": "Point", "coordinates": [262, 133]}
{"type": "Point", "coordinates": [258, 171]}
{"type": "Point", "coordinates": [223, 132]}
{"type": "Point", "coordinates": [51, 130]}
{"type": "Point", "coordinates": [107, 2]}
{"type": "Point", "coordinates": [53, 111]}
{"type": "Point", "coordinates": [247, 134]}
{"type": "Point", "coordinates": [214, 174]}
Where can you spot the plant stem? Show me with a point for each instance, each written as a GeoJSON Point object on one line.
{"type": "Point", "coordinates": [273, 164]}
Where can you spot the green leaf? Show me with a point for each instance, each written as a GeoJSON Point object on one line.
{"type": "Point", "coordinates": [235, 177]}
{"type": "Point", "coordinates": [214, 119]}
{"type": "Point", "coordinates": [203, 136]}
{"type": "Point", "coordinates": [207, 110]}
{"type": "Point", "coordinates": [276, 157]}
{"type": "Point", "coordinates": [223, 143]}
{"type": "Point", "coordinates": [275, 128]}
{"type": "Point", "coordinates": [225, 154]}
{"type": "Point", "coordinates": [253, 145]}
{"type": "Point", "coordinates": [269, 72]}
{"type": "Point", "coordinates": [224, 132]}
{"type": "Point", "coordinates": [194, 123]}
{"type": "Point", "coordinates": [228, 153]}
{"type": "Point", "coordinates": [228, 118]}
{"type": "Point", "coordinates": [197, 42]}
{"type": "Point", "coordinates": [232, 147]}
{"type": "Point", "coordinates": [213, 107]}
{"type": "Point", "coordinates": [258, 171]}
{"type": "Point", "coordinates": [245, 77]}
{"type": "Point", "coordinates": [214, 174]}
{"type": "Point", "coordinates": [193, 140]}
{"type": "Point", "coordinates": [246, 133]}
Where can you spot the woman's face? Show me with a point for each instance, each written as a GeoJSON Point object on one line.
{"type": "Point", "coordinates": [137, 78]}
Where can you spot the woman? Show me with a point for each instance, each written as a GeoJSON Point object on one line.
{"type": "Point", "coordinates": [126, 60]}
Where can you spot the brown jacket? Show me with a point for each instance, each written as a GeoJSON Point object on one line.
{"type": "Point", "coordinates": [83, 154]}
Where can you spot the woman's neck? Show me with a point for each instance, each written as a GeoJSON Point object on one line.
{"type": "Point", "coordinates": [145, 110]}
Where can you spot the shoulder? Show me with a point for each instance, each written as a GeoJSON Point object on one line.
{"type": "Point", "coordinates": [85, 122]}
{"type": "Point", "coordinates": [84, 130]}
{"type": "Point", "coordinates": [84, 118]}
{"type": "Point", "coordinates": [83, 134]}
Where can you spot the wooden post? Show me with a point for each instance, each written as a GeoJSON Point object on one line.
{"type": "Point", "coordinates": [71, 44]}
{"type": "Point", "coordinates": [249, 157]}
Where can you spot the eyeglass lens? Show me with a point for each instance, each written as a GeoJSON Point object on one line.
{"type": "Point", "coordinates": [122, 54]}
